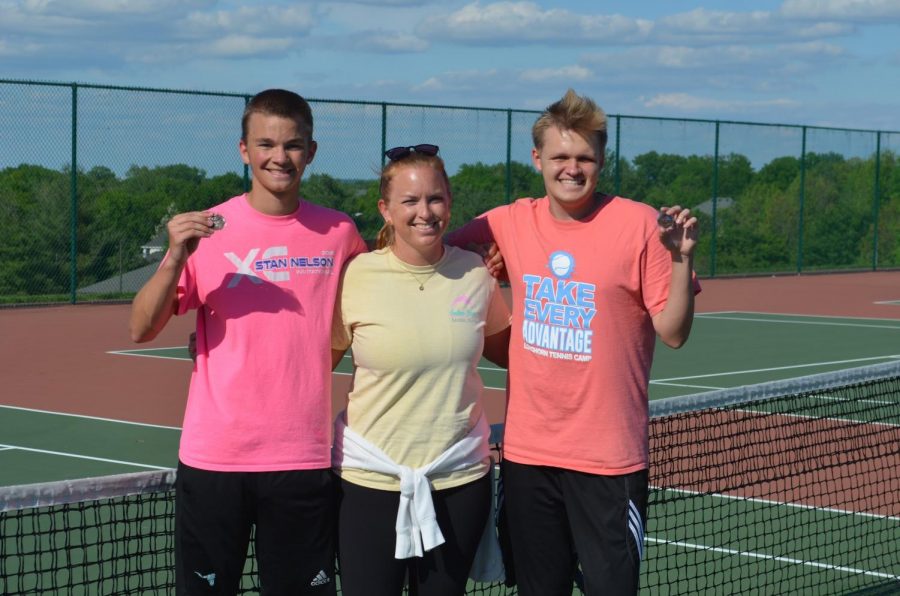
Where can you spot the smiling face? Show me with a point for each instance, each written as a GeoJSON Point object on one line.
{"type": "Point", "coordinates": [277, 149]}
{"type": "Point", "coordinates": [570, 165]}
{"type": "Point", "coordinates": [417, 205]}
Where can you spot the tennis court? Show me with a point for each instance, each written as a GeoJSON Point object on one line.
{"type": "Point", "coordinates": [709, 535]}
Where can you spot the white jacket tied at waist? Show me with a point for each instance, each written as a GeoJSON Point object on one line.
{"type": "Point", "coordinates": [416, 526]}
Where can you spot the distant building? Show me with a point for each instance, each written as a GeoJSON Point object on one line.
{"type": "Point", "coordinates": [155, 246]}
{"type": "Point", "coordinates": [706, 207]}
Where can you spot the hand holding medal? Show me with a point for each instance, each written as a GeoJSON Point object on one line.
{"type": "Point", "coordinates": [678, 229]}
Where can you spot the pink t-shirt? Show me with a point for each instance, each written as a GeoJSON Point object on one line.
{"type": "Point", "coordinates": [264, 289]}
{"type": "Point", "coordinates": [583, 294]}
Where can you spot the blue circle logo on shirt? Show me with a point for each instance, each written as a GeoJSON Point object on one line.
{"type": "Point", "coordinates": [562, 264]}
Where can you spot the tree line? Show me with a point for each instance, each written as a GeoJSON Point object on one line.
{"type": "Point", "coordinates": [816, 213]}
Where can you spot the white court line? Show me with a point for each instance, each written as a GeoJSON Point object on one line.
{"type": "Point", "coordinates": [139, 353]}
{"type": "Point", "coordinates": [88, 457]}
{"type": "Point", "coordinates": [895, 326]}
{"type": "Point", "coordinates": [97, 418]}
{"type": "Point", "coordinates": [730, 551]}
{"type": "Point", "coordinates": [779, 503]}
{"type": "Point", "coordinates": [773, 557]}
{"type": "Point", "coordinates": [687, 385]}
{"type": "Point", "coordinates": [775, 368]}
{"type": "Point", "coordinates": [713, 314]}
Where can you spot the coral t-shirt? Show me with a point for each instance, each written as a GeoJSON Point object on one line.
{"type": "Point", "coordinates": [264, 289]}
{"type": "Point", "coordinates": [583, 294]}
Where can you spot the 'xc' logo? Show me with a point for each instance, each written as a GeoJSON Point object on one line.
{"type": "Point", "coordinates": [244, 270]}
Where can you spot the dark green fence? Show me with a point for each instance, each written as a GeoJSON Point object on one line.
{"type": "Point", "coordinates": [90, 173]}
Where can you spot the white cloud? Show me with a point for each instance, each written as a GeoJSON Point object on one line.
{"type": "Point", "coordinates": [563, 73]}
{"type": "Point", "coordinates": [726, 59]}
{"type": "Point", "coordinates": [386, 42]}
{"type": "Point", "coordinates": [703, 21]}
{"type": "Point", "coordinates": [404, 3]}
{"type": "Point", "coordinates": [15, 50]}
{"type": "Point", "coordinates": [242, 46]}
{"type": "Point", "coordinates": [525, 22]}
{"type": "Point", "coordinates": [86, 8]}
{"type": "Point", "coordinates": [691, 103]}
{"type": "Point", "coordinates": [522, 23]}
{"type": "Point", "coordinates": [701, 27]}
{"type": "Point", "coordinates": [461, 81]}
{"type": "Point", "coordinates": [263, 21]}
{"type": "Point", "coordinates": [842, 10]}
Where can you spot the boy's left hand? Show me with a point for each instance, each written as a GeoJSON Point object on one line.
{"type": "Point", "coordinates": [678, 230]}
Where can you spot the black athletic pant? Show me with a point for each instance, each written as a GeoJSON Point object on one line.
{"type": "Point", "coordinates": [294, 513]}
{"type": "Point", "coordinates": [557, 518]}
{"type": "Point", "coordinates": [367, 538]}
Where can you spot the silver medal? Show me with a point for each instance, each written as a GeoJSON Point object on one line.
{"type": "Point", "coordinates": [216, 221]}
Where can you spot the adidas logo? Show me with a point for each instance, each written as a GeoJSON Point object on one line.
{"type": "Point", "coordinates": [320, 579]}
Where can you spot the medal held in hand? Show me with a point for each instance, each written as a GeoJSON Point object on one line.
{"type": "Point", "coordinates": [665, 221]}
{"type": "Point", "coordinates": [216, 221]}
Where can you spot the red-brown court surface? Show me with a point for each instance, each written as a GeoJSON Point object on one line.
{"type": "Point", "coordinates": [56, 358]}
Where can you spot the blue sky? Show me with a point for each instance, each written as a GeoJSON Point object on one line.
{"type": "Point", "coordinates": [816, 62]}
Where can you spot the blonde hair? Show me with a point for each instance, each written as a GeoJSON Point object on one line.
{"type": "Point", "coordinates": [386, 234]}
{"type": "Point", "coordinates": [576, 113]}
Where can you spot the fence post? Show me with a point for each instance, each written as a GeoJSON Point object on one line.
{"type": "Point", "coordinates": [876, 198]}
{"type": "Point", "coordinates": [73, 191]}
{"type": "Point", "coordinates": [802, 199]}
{"type": "Point", "coordinates": [247, 99]}
{"type": "Point", "coordinates": [508, 156]}
{"type": "Point", "coordinates": [383, 132]}
{"type": "Point", "coordinates": [715, 204]}
{"type": "Point", "coordinates": [617, 173]}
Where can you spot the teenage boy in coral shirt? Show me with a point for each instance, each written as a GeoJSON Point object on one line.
{"type": "Point", "coordinates": [595, 278]}
{"type": "Point", "coordinates": [256, 440]}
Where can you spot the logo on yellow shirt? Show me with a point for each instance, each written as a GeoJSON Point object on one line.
{"type": "Point", "coordinates": [463, 311]}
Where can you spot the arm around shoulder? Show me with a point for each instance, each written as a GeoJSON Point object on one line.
{"type": "Point", "coordinates": [496, 348]}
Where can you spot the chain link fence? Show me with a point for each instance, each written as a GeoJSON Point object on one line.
{"type": "Point", "coordinates": [90, 173]}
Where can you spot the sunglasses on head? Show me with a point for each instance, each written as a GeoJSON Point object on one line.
{"type": "Point", "coordinates": [401, 152]}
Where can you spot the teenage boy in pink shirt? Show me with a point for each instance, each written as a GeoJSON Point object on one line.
{"type": "Point", "coordinates": [595, 279]}
{"type": "Point", "coordinates": [262, 272]}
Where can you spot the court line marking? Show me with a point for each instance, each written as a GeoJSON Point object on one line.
{"type": "Point", "coordinates": [85, 417]}
{"type": "Point", "coordinates": [775, 368]}
{"type": "Point", "coordinates": [770, 502]}
{"type": "Point", "coordinates": [712, 314]}
{"type": "Point", "coordinates": [780, 559]}
{"type": "Point", "coordinates": [789, 322]}
{"type": "Point", "coordinates": [695, 493]}
{"type": "Point", "coordinates": [88, 457]}
{"type": "Point", "coordinates": [687, 385]}
{"type": "Point", "coordinates": [140, 353]}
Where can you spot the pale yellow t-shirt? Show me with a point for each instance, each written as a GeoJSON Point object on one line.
{"type": "Point", "coordinates": [416, 390]}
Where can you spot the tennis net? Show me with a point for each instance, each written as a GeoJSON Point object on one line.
{"type": "Point", "coordinates": [786, 487]}
{"type": "Point", "coordinates": [790, 487]}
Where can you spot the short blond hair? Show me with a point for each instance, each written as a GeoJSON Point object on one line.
{"type": "Point", "coordinates": [576, 113]}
